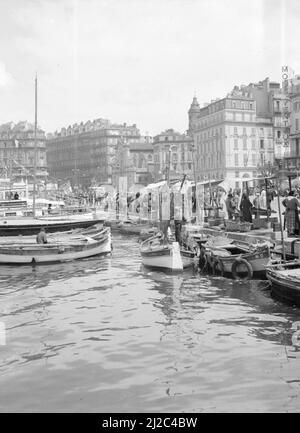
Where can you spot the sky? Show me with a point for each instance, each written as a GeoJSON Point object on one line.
{"type": "Point", "coordinates": [137, 61]}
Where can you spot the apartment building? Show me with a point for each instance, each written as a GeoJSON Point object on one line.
{"type": "Point", "coordinates": [173, 155]}
{"type": "Point", "coordinates": [240, 135]}
{"type": "Point", "coordinates": [86, 152]}
{"type": "Point", "coordinates": [17, 152]}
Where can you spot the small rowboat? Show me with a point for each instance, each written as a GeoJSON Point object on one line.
{"type": "Point", "coordinates": [238, 259]}
{"type": "Point", "coordinates": [168, 255]}
{"type": "Point", "coordinates": [31, 226]}
{"type": "Point", "coordinates": [148, 233]}
{"type": "Point", "coordinates": [285, 280]}
{"type": "Point", "coordinates": [68, 248]}
{"type": "Point", "coordinates": [131, 227]}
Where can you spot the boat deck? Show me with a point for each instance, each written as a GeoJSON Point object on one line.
{"type": "Point", "coordinates": [293, 273]}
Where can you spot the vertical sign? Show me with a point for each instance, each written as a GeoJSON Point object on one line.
{"type": "Point", "coordinates": [285, 84]}
{"type": "Point", "coordinates": [154, 205]}
{"type": "Point", "coordinates": [165, 203]}
{"type": "Point", "coordinates": [123, 197]}
{"type": "Point", "coordinates": [177, 206]}
{"type": "Point", "coordinates": [188, 204]}
{"type": "Point", "coordinates": [199, 204]}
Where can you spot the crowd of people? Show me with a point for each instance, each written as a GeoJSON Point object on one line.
{"type": "Point", "coordinates": [237, 204]}
{"type": "Point", "coordinates": [244, 205]}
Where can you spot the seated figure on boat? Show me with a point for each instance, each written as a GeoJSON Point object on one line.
{"type": "Point", "coordinates": [41, 237]}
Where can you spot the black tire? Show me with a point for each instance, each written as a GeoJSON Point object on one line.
{"type": "Point", "coordinates": [218, 266]}
{"type": "Point", "coordinates": [235, 266]}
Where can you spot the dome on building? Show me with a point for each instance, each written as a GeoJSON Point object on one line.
{"type": "Point", "coordinates": [195, 105]}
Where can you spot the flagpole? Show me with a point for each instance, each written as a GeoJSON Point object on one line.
{"type": "Point", "coordinates": [35, 147]}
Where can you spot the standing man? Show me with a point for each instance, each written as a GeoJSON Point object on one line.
{"type": "Point", "coordinates": [229, 206]}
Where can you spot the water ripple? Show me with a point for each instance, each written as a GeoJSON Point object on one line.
{"type": "Point", "coordinates": [106, 334]}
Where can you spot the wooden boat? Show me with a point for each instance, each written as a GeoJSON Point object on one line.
{"type": "Point", "coordinates": [167, 255]}
{"type": "Point", "coordinates": [285, 280]}
{"type": "Point", "coordinates": [129, 227]}
{"type": "Point", "coordinates": [238, 259]}
{"type": "Point", "coordinates": [68, 248]}
{"type": "Point", "coordinates": [148, 233]}
{"type": "Point", "coordinates": [31, 226]}
{"type": "Point", "coordinates": [78, 233]}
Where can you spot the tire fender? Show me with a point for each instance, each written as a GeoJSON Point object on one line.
{"type": "Point", "coordinates": [235, 265]}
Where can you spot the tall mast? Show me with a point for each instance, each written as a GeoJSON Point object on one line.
{"type": "Point", "coordinates": [35, 147]}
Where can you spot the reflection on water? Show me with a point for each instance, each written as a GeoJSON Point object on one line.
{"type": "Point", "coordinates": [106, 334]}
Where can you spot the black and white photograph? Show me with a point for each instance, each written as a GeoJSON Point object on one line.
{"type": "Point", "coordinates": [149, 209]}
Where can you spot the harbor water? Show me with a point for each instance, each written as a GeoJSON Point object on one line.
{"type": "Point", "coordinates": [107, 335]}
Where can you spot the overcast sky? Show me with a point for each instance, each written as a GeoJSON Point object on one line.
{"type": "Point", "coordinates": [137, 61]}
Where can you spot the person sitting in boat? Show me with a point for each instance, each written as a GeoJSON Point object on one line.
{"type": "Point", "coordinates": [41, 237]}
{"type": "Point", "coordinates": [246, 208]}
{"type": "Point", "coordinates": [291, 214]}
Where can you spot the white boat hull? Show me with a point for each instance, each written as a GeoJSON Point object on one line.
{"type": "Point", "coordinates": [49, 253]}
{"type": "Point", "coordinates": [167, 257]}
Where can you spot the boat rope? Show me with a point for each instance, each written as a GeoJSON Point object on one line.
{"type": "Point", "coordinates": [266, 285]}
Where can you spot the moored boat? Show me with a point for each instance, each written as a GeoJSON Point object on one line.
{"type": "Point", "coordinates": [68, 248]}
{"type": "Point", "coordinates": [285, 280]}
{"type": "Point", "coordinates": [167, 255]}
{"type": "Point", "coordinates": [128, 227]}
{"type": "Point", "coordinates": [238, 259]}
{"type": "Point", "coordinates": [146, 233]}
{"type": "Point", "coordinates": [31, 226]}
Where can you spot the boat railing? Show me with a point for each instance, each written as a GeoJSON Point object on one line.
{"type": "Point", "coordinates": [285, 263]}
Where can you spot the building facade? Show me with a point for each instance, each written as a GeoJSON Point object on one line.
{"type": "Point", "coordinates": [134, 161]}
{"type": "Point", "coordinates": [292, 87]}
{"type": "Point", "coordinates": [17, 152]}
{"type": "Point", "coordinates": [225, 137]}
{"type": "Point", "coordinates": [273, 104]}
{"type": "Point", "coordinates": [240, 135]}
{"type": "Point", "coordinates": [173, 155]}
{"type": "Point", "coordinates": [85, 152]}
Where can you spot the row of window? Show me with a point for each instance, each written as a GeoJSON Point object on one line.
{"type": "Point", "coordinates": [164, 157]}
{"type": "Point", "coordinates": [247, 161]}
{"type": "Point", "coordinates": [181, 167]}
{"type": "Point", "coordinates": [170, 138]}
{"type": "Point", "coordinates": [243, 105]}
{"type": "Point", "coordinates": [217, 132]}
{"type": "Point", "coordinates": [240, 117]}
{"type": "Point", "coordinates": [216, 147]}
{"type": "Point", "coordinates": [230, 103]}
{"type": "Point", "coordinates": [211, 161]}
